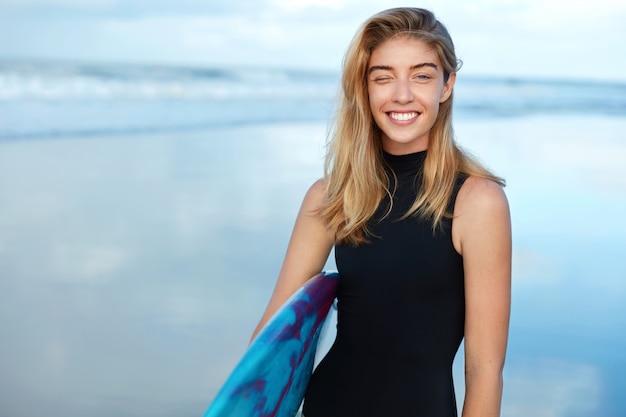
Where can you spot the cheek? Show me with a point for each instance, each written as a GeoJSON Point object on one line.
{"type": "Point", "coordinates": [375, 105]}
{"type": "Point", "coordinates": [373, 110]}
{"type": "Point", "coordinates": [375, 99]}
{"type": "Point", "coordinates": [443, 93]}
{"type": "Point", "coordinates": [372, 104]}
{"type": "Point", "coordinates": [377, 116]}
{"type": "Point", "coordinates": [370, 96]}
{"type": "Point", "coordinates": [434, 97]}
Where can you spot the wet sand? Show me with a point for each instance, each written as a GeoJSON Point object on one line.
{"type": "Point", "coordinates": [134, 268]}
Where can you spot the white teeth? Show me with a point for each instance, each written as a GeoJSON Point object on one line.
{"type": "Point", "coordinates": [403, 116]}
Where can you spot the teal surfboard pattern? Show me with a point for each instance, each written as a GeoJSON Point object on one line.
{"type": "Point", "coordinates": [271, 378]}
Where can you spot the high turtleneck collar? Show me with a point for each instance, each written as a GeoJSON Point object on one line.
{"type": "Point", "coordinates": [405, 165]}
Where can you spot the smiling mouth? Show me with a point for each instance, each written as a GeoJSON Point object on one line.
{"type": "Point", "coordinates": [403, 117]}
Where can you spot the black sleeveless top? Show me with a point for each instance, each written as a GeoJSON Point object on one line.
{"type": "Point", "coordinates": [401, 314]}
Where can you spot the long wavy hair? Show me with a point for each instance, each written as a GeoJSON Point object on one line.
{"type": "Point", "coordinates": [354, 172]}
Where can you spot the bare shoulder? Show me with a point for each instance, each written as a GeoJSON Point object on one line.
{"type": "Point", "coordinates": [317, 189]}
{"type": "Point", "coordinates": [315, 195]}
{"type": "Point", "coordinates": [481, 209]}
{"type": "Point", "coordinates": [480, 193]}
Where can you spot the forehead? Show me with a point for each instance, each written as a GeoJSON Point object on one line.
{"type": "Point", "coordinates": [404, 51]}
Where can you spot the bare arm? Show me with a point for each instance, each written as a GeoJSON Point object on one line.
{"type": "Point", "coordinates": [482, 234]}
{"type": "Point", "coordinates": [308, 249]}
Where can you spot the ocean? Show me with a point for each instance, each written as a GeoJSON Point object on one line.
{"type": "Point", "coordinates": [47, 99]}
{"type": "Point", "coordinates": [145, 211]}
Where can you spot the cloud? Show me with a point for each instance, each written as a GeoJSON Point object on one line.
{"type": "Point", "coordinates": [511, 37]}
{"type": "Point", "coordinates": [41, 4]}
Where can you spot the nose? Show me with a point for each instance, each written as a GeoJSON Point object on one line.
{"type": "Point", "coordinates": [402, 93]}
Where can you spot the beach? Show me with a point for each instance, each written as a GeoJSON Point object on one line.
{"type": "Point", "coordinates": [134, 264]}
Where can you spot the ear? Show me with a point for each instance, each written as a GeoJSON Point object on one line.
{"type": "Point", "coordinates": [447, 88]}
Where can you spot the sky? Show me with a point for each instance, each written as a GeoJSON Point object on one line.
{"type": "Point", "coordinates": [521, 38]}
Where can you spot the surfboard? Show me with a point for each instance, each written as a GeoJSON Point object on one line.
{"type": "Point", "coordinates": [271, 378]}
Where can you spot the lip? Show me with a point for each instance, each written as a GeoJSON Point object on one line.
{"type": "Point", "coordinates": [402, 117]}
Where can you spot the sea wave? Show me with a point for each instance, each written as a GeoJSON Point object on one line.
{"type": "Point", "coordinates": [46, 99]}
{"type": "Point", "coordinates": [27, 80]}
{"type": "Point", "coordinates": [510, 96]}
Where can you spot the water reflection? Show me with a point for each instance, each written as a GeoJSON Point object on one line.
{"type": "Point", "coordinates": [133, 269]}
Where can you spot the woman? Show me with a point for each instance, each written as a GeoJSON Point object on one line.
{"type": "Point", "coordinates": [421, 234]}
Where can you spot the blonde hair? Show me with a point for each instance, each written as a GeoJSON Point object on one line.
{"type": "Point", "coordinates": [354, 172]}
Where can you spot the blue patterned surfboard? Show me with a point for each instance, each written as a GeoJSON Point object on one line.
{"type": "Point", "coordinates": [271, 378]}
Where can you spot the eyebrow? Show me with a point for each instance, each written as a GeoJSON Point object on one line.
{"type": "Point", "coordinates": [388, 68]}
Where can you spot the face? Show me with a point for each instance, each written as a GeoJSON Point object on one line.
{"type": "Point", "coordinates": [405, 82]}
